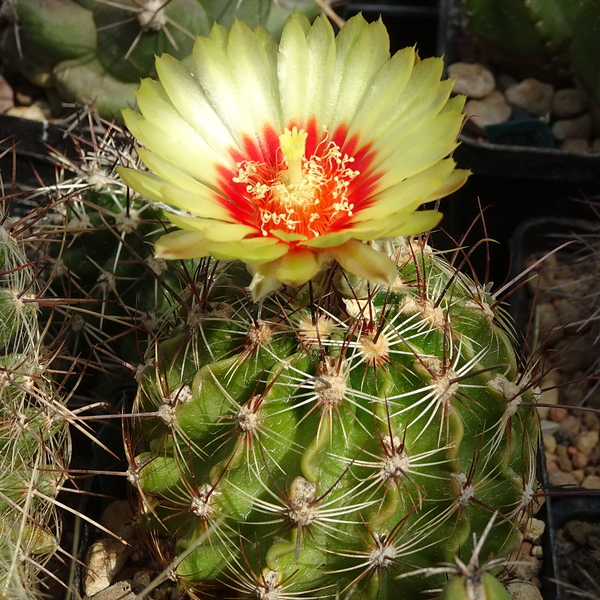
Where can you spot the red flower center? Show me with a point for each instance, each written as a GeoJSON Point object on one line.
{"type": "Point", "coordinates": [299, 184]}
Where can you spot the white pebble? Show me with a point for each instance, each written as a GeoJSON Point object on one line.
{"type": "Point", "coordinates": [523, 591]}
{"type": "Point", "coordinates": [491, 110]}
{"type": "Point", "coordinates": [568, 103]}
{"type": "Point", "coordinates": [532, 96]}
{"type": "Point", "coordinates": [473, 80]}
{"type": "Point", "coordinates": [565, 129]}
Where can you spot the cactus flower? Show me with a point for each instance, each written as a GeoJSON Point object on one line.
{"type": "Point", "coordinates": [289, 155]}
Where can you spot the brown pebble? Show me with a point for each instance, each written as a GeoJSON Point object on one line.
{"type": "Point", "coordinates": [557, 414]}
{"type": "Point", "coordinates": [579, 460]}
{"type": "Point", "coordinates": [552, 467]}
{"type": "Point", "coordinates": [549, 442]}
{"type": "Point", "coordinates": [565, 464]}
{"type": "Point", "coordinates": [571, 450]}
{"type": "Point", "coordinates": [591, 421]}
{"type": "Point", "coordinates": [591, 482]}
{"type": "Point", "coordinates": [561, 450]}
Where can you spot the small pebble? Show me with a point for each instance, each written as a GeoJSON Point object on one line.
{"type": "Point", "coordinates": [559, 478]}
{"type": "Point", "coordinates": [595, 145]}
{"type": "Point", "coordinates": [6, 95]}
{"type": "Point", "coordinates": [104, 559]}
{"type": "Point", "coordinates": [33, 112]}
{"type": "Point", "coordinates": [119, 591]}
{"type": "Point", "coordinates": [564, 462]}
{"type": "Point", "coordinates": [491, 110]}
{"type": "Point", "coordinates": [118, 518]}
{"type": "Point", "coordinates": [549, 443]}
{"type": "Point", "coordinates": [591, 482]}
{"type": "Point", "coordinates": [558, 414]}
{"type": "Point", "coordinates": [585, 441]}
{"type": "Point", "coordinates": [591, 421]}
{"type": "Point", "coordinates": [565, 129]}
{"type": "Point", "coordinates": [579, 475]}
{"type": "Point", "coordinates": [568, 103]}
{"type": "Point", "coordinates": [473, 80]}
{"type": "Point", "coordinates": [570, 425]}
{"type": "Point", "coordinates": [532, 96]}
{"type": "Point", "coordinates": [552, 467]}
{"type": "Point", "coordinates": [579, 460]}
{"type": "Point", "coordinates": [534, 529]}
{"type": "Point", "coordinates": [141, 580]}
{"type": "Point", "coordinates": [523, 591]}
{"type": "Point", "coordinates": [576, 145]}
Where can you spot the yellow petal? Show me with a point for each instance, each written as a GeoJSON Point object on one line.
{"type": "Point", "coordinates": [186, 94]}
{"type": "Point", "coordinates": [205, 204]}
{"type": "Point", "coordinates": [305, 68]}
{"type": "Point", "coordinates": [296, 268]}
{"type": "Point", "coordinates": [180, 245]}
{"type": "Point", "coordinates": [377, 111]}
{"type": "Point", "coordinates": [418, 222]}
{"type": "Point", "coordinates": [253, 251]}
{"type": "Point", "coordinates": [357, 67]}
{"type": "Point", "coordinates": [214, 231]}
{"type": "Point", "coordinates": [194, 202]}
{"type": "Point", "coordinates": [362, 260]}
{"type": "Point", "coordinates": [327, 240]}
{"type": "Point", "coordinates": [145, 183]}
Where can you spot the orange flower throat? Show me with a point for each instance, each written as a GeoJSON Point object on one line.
{"type": "Point", "coordinates": [299, 194]}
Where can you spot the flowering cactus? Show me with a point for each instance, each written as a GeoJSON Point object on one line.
{"type": "Point", "coordinates": [289, 156]}
{"type": "Point", "coordinates": [346, 434]}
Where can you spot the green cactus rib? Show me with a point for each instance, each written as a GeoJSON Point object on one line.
{"type": "Point", "coordinates": [324, 443]}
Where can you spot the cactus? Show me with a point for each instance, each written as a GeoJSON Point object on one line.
{"type": "Point", "coordinates": [536, 31]}
{"type": "Point", "coordinates": [96, 52]}
{"type": "Point", "coordinates": [336, 438]}
{"type": "Point", "coordinates": [586, 59]}
{"type": "Point", "coordinates": [95, 243]}
{"type": "Point", "coordinates": [34, 435]}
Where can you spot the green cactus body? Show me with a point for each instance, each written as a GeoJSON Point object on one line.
{"type": "Point", "coordinates": [336, 439]}
{"type": "Point", "coordinates": [34, 436]}
{"type": "Point", "coordinates": [528, 29]}
{"type": "Point", "coordinates": [102, 256]}
{"type": "Point", "coordinates": [94, 52]}
{"type": "Point", "coordinates": [586, 58]}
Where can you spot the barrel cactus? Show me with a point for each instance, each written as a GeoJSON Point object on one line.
{"type": "Point", "coordinates": [337, 438]}
{"type": "Point", "coordinates": [96, 52]}
{"type": "Point", "coordinates": [34, 434]}
{"type": "Point", "coordinates": [340, 417]}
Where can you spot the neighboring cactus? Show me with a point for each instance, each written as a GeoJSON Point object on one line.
{"type": "Point", "coordinates": [334, 439]}
{"type": "Point", "coordinates": [95, 243]}
{"type": "Point", "coordinates": [34, 435]}
{"type": "Point", "coordinates": [535, 31]}
{"type": "Point", "coordinates": [96, 52]}
{"type": "Point", "coordinates": [586, 54]}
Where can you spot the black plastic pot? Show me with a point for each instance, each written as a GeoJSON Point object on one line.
{"type": "Point", "coordinates": [409, 22]}
{"type": "Point", "coordinates": [24, 151]}
{"type": "Point", "coordinates": [534, 238]}
{"type": "Point", "coordinates": [506, 160]}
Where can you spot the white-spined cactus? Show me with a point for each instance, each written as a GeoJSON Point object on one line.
{"type": "Point", "coordinates": [34, 434]}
